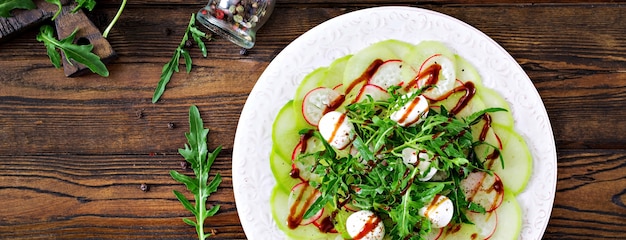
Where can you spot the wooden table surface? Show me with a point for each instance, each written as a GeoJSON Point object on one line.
{"type": "Point", "coordinates": [75, 151]}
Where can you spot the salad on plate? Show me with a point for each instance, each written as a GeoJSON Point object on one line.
{"type": "Point", "coordinates": [397, 141]}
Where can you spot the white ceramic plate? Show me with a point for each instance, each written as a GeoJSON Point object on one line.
{"type": "Point", "coordinates": [349, 33]}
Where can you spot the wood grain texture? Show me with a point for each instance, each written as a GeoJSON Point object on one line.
{"type": "Point", "coordinates": [74, 151]}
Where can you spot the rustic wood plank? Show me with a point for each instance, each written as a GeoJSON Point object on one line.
{"type": "Point", "coordinates": [77, 196]}
{"type": "Point", "coordinates": [590, 200]}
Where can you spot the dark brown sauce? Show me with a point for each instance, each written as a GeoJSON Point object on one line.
{"type": "Point", "coordinates": [295, 217]}
{"type": "Point", "coordinates": [432, 72]}
{"type": "Point", "coordinates": [295, 172]}
{"type": "Point", "coordinates": [304, 138]}
{"type": "Point", "coordinates": [486, 127]}
{"type": "Point", "coordinates": [408, 111]}
{"type": "Point", "coordinates": [470, 91]}
{"type": "Point", "coordinates": [474, 236]}
{"type": "Point", "coordinates": [326, 225]}
{"type": "Point", "coordinates": [336, 127]}
{"type": "Point", "coordinates": [369, 226]}
{"type": "Point", "coordinates": [335, 104]}
{"type": "Point", "coordinates": [433, 205]}
{"type": "Point", "coordinates": [369, 72]}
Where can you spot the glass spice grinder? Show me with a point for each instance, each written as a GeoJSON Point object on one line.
{"type": "Point", "coordinates": [236, 20]}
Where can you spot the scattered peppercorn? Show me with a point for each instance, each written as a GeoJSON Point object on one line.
{"type": "Point", "coordinates": [188, 43]}
{"type": "Point", "coordinates": [144, 187]}
{"type": "Point", "coordinates": [170, 125]}
{"type": "Point", "coordinates": [184, 165]}
{"type": "Point", "coordinates": [243, 52]}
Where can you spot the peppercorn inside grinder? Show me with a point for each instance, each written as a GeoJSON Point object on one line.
{"type": "Point", "coordinates": [236, 20]}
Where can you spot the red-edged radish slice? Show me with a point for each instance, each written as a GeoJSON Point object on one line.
{"type": "Point", "coordinates": [486, 223]}
{"type": "Point", "coordinates": [388, 74]}
{"type": "Point", "coordinates": [437, 70]}
{"type": "Point", "coordinates": [299, 166]}
{"type": "Point", "coordinates": [483, 189]}
{"type": "Point", "coordinates": [319, 101]}
{"type": "Point", "coordinates": [377, 93]}
{"type": "Point", "coordinates": [434, 234]}
{"type": "Point", "coordinates": [301, 198]}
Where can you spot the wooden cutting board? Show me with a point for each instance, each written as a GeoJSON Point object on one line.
{"type": "Point", "coordinates": [65, 23]}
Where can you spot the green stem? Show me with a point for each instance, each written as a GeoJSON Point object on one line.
{"type": "Point", "coordinates": [201, 199]}
{"type": "Point", "coordinates": [117, 16]}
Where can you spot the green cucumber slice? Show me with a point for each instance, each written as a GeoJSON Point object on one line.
{"type": "Point", "coordinates": [285, 130]}
{"type": "Point", "coordinates": [493, 99]}
{"type": "Point", "coordinates": [509, 219]}
{"type": "Point", "coordinates": [515, 153]}
{"type": "Point", "coordinates": [281, 167]}
{"type": "Point", "coordinates": [280, 211]}
{"type": "Point", "coordinates": [311, 81]}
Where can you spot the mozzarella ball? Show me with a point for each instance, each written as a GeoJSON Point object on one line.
{"type": "Point", "coordinates": [412, 112]}
{"type": "Point", "coordinates": [337, 129]}
{"type": "Point", "coordinates": [439, 211]}
{"type": "Point", "coordinates": [365, 220]}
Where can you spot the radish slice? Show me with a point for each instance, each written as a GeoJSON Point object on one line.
{"type": "Point", "coordinates": [299, 166]}
{"type": "Point", "coordinates": [301, 198]}
{"type": "Point", "coordinates": [376, 92]}
{"type": "Point", "coordinates": [387, 75]}
{"type": "Point", "coordinates": [440, 71]}
{"type": "Point", "coordinates": [485, 223]}
{"type": "Point", "coordinates": [434, 234]}
{"type": "Point", "coordinates": [483, 189]}
{"type": "Point", "coordinates": [319, 101]}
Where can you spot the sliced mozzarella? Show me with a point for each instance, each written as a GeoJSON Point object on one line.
{"type": "Point", "coordinates": [412, 112]}
{"type": "Point", "coordinates": [336, 128]}
{"type": "Point", "coordinates": [365, 225]}
{"type": "Point", "coordinates": [410, 157]}
{"type": "Point", "coordinates": [439, 211]}
{"type": "Point", "coordinates": [443, 70]}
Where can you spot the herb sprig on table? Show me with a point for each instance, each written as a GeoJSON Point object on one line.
{"type": "Point", "coordinates": [197, 154]}
{"type": "Point", "coordinates": [79, 53]}
{"type": "Point", "coordinates": [172, 66]}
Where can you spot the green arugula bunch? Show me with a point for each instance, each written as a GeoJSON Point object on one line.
{"type": "Point", "coordinates": [80, 53]}
{"type": "Point", "coordinates": [172, 66]}
{"type": "Point", "coordinates": [377, 179]}
{"type": "Point", "coordinates": [197, 154]}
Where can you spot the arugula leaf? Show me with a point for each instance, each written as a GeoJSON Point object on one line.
{"type": "Point", "coordinates": [87, 4]}
{"type": "Point", "coordinates": [172, 66]}
{"type": "Point", "coordinates": [59, 5]}
{"type": "Point", "coordinates": [197, 154]}
{"type": "Point", "coordinates": [7, 5]}
{"type": "Point", "coordinates": [80, 53]}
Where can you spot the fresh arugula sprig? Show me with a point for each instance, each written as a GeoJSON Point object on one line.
{"type": "Point", "coordinates": [79, 53]}
{"type": "Point", "coordinates": [377, 179]}
{"type": "Point", "coordinates": [6, 6]}
{"type": "Point", "coordinates": [197, 154]}
{"type": "Point", "coordinates": [172, 66]}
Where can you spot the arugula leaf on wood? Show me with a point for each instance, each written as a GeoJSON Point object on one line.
{"type": "Point", "coordinates": [79, 53]}
{"type": "Point", "coordinates": [7, 5]}
{"type": "Point", "coordinates": [87, 4]}
{"type": "Point", "coordinates": [197, 154]}
{"type": "Point", "coordinates": [172, 66]}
